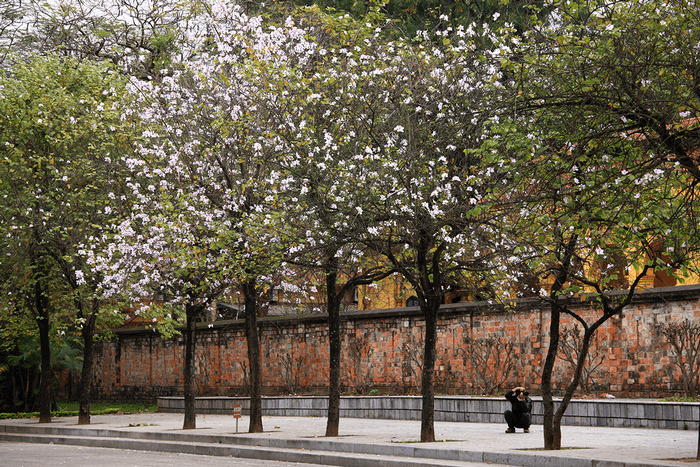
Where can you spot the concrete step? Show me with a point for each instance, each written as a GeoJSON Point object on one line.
{"type": "Point", "coordinates": [215, 446]}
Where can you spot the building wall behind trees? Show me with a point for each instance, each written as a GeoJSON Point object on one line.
{"type": "Point", "coordinates": [382, 350]}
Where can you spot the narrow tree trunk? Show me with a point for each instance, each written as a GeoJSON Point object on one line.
{"type": "Point", "coordinates": [41, 304]}
{"type": "Point", "coordinates": [189, 392]}
{"type": "Point", "coordinates": [568, 395]}
{"type": "Point", "coordinates": [46, 374]}
{"type": "Point", "coordinates": [552, 433]}
{"type": "Point", "coordinates": [251, 333]}
{"type": "Point", "coordinates": [552, 439]}
{"type": "Point", "coordinates": [698, 454]}
{"type": "Point", "coordinates": [333, 422]}
{"type": "Point", "coordinates": [85, 388]}
{"type": "Point", "coordinates": [427, 429]}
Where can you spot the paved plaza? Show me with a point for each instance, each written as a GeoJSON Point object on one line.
{"type": "Point", "coordinates": [362, 442]}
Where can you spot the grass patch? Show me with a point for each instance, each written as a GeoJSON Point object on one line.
{"type": "Point", "coordinates": [70, 409]}
{"type": "Point", "coordinates": [679, 399]}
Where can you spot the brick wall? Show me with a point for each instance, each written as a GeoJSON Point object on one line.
{"type": "Point", "coordinates": [382, 350]}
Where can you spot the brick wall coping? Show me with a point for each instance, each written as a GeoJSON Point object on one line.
{"type": "Point", "coordinates": [659, 294]}
{"type": "Point", "coordinates": [632, 413]}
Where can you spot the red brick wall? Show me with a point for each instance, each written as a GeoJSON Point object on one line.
{"type": "Point", "coordinates": [382, 350]}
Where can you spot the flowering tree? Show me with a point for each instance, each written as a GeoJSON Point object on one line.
{"type": "Point", "coordinates": [596, 192]}
{"type": "Point", "coordinates": [139, 39]}
{"type": "Point", "coordinates": [170, 248]}
{"type": "Point", "coordinates": [209, 213]}
{"type": "Point", "coordinates": [321, 175]}
{"type": "Point", "coordinates": [59, 132]}
{"type": "Point", "coordinates": [587, 231]}
{"type": "Point", "coordinates": [417, 196]}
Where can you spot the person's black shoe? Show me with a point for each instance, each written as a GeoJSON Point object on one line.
{"type": "Point", "coordinates": [526, 430]}
{"type": "Point", "coordinates": [510, 430]}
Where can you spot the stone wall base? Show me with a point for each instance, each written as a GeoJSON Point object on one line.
{"type": "Point", "coordinates": [606, 413]}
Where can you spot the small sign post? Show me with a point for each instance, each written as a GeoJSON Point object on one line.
{"type": "Point", "coordinates": [236, 414]}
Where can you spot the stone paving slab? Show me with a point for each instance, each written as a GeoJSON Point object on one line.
{"type": "Point", "coordinates": [458, 442]}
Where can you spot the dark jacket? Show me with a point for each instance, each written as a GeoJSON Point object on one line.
{"type": "Point", "coordinates": [519, 407]}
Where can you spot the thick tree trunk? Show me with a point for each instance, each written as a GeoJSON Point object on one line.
{"type": "Point", "coordinates": [85, 388]}
{"type": "Point", "coordinates": [427, 429]}
{"type": "Point", "coordinates": [333, 422]}
{"type": "Point", "coordinates": [190, 421]}
{"type": "Point", "coordinates": [251, 333]}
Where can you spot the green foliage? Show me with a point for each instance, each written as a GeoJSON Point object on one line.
{"type": "Point", "coordinates": [67, 354]}
{"type": "Point", "coordinates": [164, 44]}
{"type": "Point", "coordinates": [21, 365]}
{"type": "Point", "coordinates": [61, 134]}
{"type": "Point", "coordinates": [588, 147]}
{"type": "Point", "coordinates": [411, 16]}
{"type": "Point", "coordinates": [641, 66]}
{"type": "Point", "coordinates": [27, 353]}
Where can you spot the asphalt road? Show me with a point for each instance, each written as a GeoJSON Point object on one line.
{"type": "Point", "coordinates": [43, 455]}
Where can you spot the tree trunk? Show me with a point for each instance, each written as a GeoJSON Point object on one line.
{"type": "Point", "coordinates": [552, 431]}
{"type": "Point", "coordinates": [698, 454]}
{"type": "Point", "coordinates": [251, 334]}
{"type": "Point", "coordinates": [41, 304]}
{"type": "Point", "coordinates": [333, 422]}
{"type": "Point", "coordinates": [552, 437]}
{"type": "Point", "coordinates": [190, 335]}
{"type": "Point", "coordinates": [46, 374]}
{"type": "Point", "coordinates": [85, 389]}
{"type": "Point", "coordinates": [427, 429]}
{"type": "Point", "coordinates": [568, 395]}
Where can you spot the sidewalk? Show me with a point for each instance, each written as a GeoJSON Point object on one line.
{"type": "Point", "coordinates": [378, 442]}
